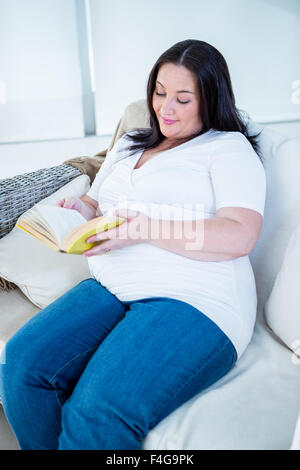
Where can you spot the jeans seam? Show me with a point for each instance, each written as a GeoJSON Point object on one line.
{"type": "Point", "coordinates": [57, 398]}
{"type": "Point", "coordinates": [197, 371]}
{"type": "Point", "coordinates": [69, 362]}
{"type": "Point", "coordinates": [65, 365]}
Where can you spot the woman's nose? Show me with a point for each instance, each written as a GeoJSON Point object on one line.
{"type": "Point", "coordinates": [168, 107]}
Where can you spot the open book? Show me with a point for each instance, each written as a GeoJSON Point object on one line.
{"type": "Point", "coordinates": [64, 230]}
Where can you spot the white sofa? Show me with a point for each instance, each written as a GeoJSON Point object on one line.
{"type": "Point", "coordinates": [257, 404]}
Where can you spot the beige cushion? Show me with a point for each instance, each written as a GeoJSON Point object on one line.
{"type": "Point", "coordinates": [282, 209]}
{"type": "Point", "coordinates": [296, 438]}
{"type": "Point", "coordinates": [280, 254]}
{"type": "Point", "coordinates": [41, 273]}
{"type": "Point", "coordinates": [282, 310]}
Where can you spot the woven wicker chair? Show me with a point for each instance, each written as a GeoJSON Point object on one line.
{"type": "Point", "coordinates": [20, 193]}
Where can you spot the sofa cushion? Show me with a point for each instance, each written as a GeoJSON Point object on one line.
{"type": "Point", "coordinates": [282, 307]}
{"type": "Point", "coordinates": [296, 438]}
{"type": "Point", "coordinates": [282, 209]}
{"type": "Point", "coordinates": [41, 273]}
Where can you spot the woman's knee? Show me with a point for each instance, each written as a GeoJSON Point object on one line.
{"type": "Point", "coordinates": [111, 425]}
{"type": "Point", "coordinates": [18, 357]}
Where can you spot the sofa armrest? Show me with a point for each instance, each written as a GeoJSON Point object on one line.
{"type": "Point", "coordinates": [21, 192]}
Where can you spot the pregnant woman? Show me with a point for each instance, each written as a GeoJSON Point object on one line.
{"type": "Point", "coordinates": [162, 316]}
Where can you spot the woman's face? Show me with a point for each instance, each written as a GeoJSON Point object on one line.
{"type": "Point", "coordinates": [176, 101]}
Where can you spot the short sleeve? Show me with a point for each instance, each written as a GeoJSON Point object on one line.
{"type": "Point", "coordinates": [237, 174]}
{"type": "Point", "coordinates": [114, 155]}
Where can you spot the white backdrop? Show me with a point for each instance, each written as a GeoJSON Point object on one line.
{"type": "Point", "coordinates": [40, 83]}
{"type": "Point", "coordinates": [259, 40]}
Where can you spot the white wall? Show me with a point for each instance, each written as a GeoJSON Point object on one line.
{"type": "Point", "coordinates": [39, 71]}
{"type": "Point", "coordinates": [259, 39]}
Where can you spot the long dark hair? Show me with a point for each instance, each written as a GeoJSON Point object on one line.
{"type": "Point", "coordinates": [217, 101]}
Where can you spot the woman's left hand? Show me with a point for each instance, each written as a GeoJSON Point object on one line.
{"type": "Point", "coordinates": [132, 231]}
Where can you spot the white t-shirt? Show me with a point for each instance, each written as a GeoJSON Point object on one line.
{"type": "Point", "coordinates": [214, 170]}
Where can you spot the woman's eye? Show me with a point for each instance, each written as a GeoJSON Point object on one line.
{"type": "Point", "coordinates": [163, 94]}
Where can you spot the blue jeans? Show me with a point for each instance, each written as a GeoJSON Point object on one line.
{"type": "Point", "coordinates": [91, 372]}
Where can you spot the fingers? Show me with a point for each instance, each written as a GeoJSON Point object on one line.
{"type": "Point", "coordinates": [60, 203]}
{"type": "Point", "coordinates": [101, 236]}
{"type": "Point", "coordinates": [69, 203]}
{"type": "Point", "coordinates": [100, 249]}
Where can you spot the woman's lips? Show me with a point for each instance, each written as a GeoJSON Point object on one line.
{"type": "Point", "coordinates": [168, 122]}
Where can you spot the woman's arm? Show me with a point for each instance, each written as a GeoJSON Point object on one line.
{"type": "Point", "coordinates": [231, 234]}
{"type": "Point", "coordinates": [93, 205]}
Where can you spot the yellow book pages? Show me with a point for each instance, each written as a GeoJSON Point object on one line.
{"type": "Point", "coordinates": [75, 243]}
